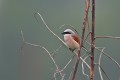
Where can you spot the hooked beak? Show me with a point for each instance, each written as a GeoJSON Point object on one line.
{"type": "Point", "coordinates": [63, 33]}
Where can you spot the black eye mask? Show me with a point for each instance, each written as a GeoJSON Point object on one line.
{"type": "Point", "coordinates": [66, 33]}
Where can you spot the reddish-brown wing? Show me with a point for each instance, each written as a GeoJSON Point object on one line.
{"type": "Point", "coordinates": [76, 38]}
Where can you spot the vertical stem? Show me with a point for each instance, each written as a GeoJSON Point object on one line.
{"type": "Point", "coordinates": [76, 66]}
{"type": "Point", "coordinates": [92, 41]}
{"type": "Point", "coordinates": [82, 39]}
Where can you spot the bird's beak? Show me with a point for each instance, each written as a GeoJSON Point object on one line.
{"type": "Point", "coordinates": [63, 33]}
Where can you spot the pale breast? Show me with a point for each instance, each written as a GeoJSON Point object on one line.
{"type": "Point", "coordinates": [70, 42]}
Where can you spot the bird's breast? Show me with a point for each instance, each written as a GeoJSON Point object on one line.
{"type": "Point", "coordinates": [71, 43]}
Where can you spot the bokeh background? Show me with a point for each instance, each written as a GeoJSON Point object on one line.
{"type": "Point", "coordinates": [35, 64]}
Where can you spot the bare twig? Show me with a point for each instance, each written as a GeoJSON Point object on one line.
{"type": "Point", "coordinates": [57, 68]}
{"type": "Point", "coordinates": [53, 54]}
{"type": "Point", "coordinates": [85, 62]}
{"type": "Point", "coordinates": [22, 36]}
{"type": "Point", "coordinates": [107, 37]}
{"type": "Point", "coordinates": [70, 75]}
{"type": "Point", "coordinates": [63, 77]}
{"type": "Point", "coordinates": [67, 64]}
{"type": "Point", "coordinates": [83, 67]}
{"type": "Point", "coordinates": [109, 57]}
{"type": "Point", "coordinates": [89, 34]}
{"type": "Point", "coordinates": [100, 64]}
{"type": "Point", "coordinates": [104, 72]}
{"type": "Point", "coordinates": [82, 39]}
{"type": "Point", "coordinates": [92, 41]}
{"type": "Point", "coordinates": [97, 48]}
{"type": "Point", "coordinates": [49, 28]}
{"type": "Point", "coordinates": [23, 43]}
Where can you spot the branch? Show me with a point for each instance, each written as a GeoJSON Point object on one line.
{"type": "Point", "coordinates": [92, 41]}
{"type": "Point", "coordinates": [82, 39]}
{"type": "Point", "coordinates": [54, 53]}
{"type": "Point", "coordinates": [83, 68]}
{"type": "Point", "coordinates": [99, 63]}
{"type": "Point", "coordinates": [67, 63]}
{"type": "Point", "coordinates": [104, 72]}
{"type": "Point", "coordinates": [57, 68]}
{"type": "Point", "coordinates": [107, 37]}
{"type": "Point", "coordinates": [107, 55]}
{"type": "Point", "coordinates": [48, 27]}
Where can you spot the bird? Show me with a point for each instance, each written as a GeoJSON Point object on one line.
{"type": "Point", "coordinates": [71, 39]}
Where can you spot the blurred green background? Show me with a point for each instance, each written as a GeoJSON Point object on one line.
{"type": "Point", "coordinates": [35, 64]}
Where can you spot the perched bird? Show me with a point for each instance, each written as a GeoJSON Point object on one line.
{"type": "Point", "coordinates": [71, 39]}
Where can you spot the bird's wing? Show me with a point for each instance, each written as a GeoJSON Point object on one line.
{"type": "Point", "coordinates": [76, 38]}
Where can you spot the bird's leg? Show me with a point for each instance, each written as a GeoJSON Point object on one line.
{"type": "Point", "coordinates": [72, 49]}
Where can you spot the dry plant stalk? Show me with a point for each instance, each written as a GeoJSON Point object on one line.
{"type": "Point", "coordinates": [92, 41]}
{"type": "Point", "coordinates": [82, 39]}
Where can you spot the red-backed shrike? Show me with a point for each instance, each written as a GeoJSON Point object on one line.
{"type": "Point", "coordinates": [71, 39]}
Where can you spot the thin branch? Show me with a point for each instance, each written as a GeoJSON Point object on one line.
{"type": "Point", "coordinates": [89, 34]}
{"type": "Point", "coordinates": [54, 53]}
{"type": "Point", "coordinates": [67, 64]}
{"type": "Point", "coordinates": [25, 42]}
{"type": "Point", "coordinates": [63, 77]}
{"type": "Point", "coordinates": [89, 31]}
{"type": "Point", "coordinates": [75, 69]}
{"type": "Point", "coordinates": [97, 48]}
{"type": "Point", "coordinates": [70, 75]}
{"type": "Point", "coordinates": [82, 39]}
{"type": "Point", "coordinates": [53, 61]}
{"type": "Point", "coordinates": [83, 67]}
{"type": "Point", "coordinates": [22, 36]}
{"type": "Point", "coordinates": [104, 72]}
{"type": "Point", "coordinates": [92, 41]}
{"type": "Point", "coordinates": [107, 37]}
{"type": "Point", "coordinates": [85, 62]}
{"type": "Point", "coordinates": [55, 76]}
{"type": "Point", "coordinates": [100, 64]}
{"type": "Point", "coordinates": [109, 57]}
{"type": "Point", "coordinates": [49, 28]}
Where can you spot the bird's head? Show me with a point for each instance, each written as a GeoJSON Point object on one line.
{"type": "Point", "coordinates": [68, 32]}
